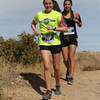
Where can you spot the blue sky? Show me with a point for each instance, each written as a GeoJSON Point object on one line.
{"type": "Point", "coordinates": [16, 17]}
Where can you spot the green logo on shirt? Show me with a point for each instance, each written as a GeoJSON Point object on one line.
{"type": "Point", "coordinates": [46, 21]}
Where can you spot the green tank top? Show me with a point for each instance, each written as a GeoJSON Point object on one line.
{"type": "Point", "coordinates": [48, 37]}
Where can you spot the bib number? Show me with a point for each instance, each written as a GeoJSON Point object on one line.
{"type": "Point", "coordinates": [48, 38]}
{"type": "Point", "coordinates": [70, 31]}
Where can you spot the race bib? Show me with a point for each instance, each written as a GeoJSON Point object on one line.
{"type": "Point", "coordinates": [48, 38]}
{"type": "Point", "coordinates": [70, 31]}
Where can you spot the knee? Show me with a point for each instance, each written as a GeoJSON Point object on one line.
{"type": "Point", "coordinates": [56, 68]}
{"type": "Point", "coordinates": [46, 68]}
{"type": "Point", "coordinates": [65, 61]}
{"type": "Point", "coordinates": [71, 58]}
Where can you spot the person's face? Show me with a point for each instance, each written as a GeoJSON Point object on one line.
{"type": "Point", "coordinates": [67, 5]}
{"type": "Point", "coordinates": [48, 4]}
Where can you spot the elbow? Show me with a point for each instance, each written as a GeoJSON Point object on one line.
{"type": "Point", "coordinates": [80, 25]}
{"type": "Point", "coordinates": [32, 26]}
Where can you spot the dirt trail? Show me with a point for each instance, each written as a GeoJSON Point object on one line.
{"type": "Point", "coordinates": [30, 86]}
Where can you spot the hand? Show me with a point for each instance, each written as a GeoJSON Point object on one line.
{"type": "Point", "coordinates": [77, 21]}
{"type": "Point", "coordinates": [37, 33]}
{"type": "Point", "coordinates": [49, 27]}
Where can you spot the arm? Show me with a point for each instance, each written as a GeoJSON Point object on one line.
{"type": "Point", "coordinates": [77, 19]}
{"type": "Point", "coordinates": [59, 29]}
{"type": "Point", "coordinates": [33, 26]}
{"type": "Point", "coordinates": [62, 27]}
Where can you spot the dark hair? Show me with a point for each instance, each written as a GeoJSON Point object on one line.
{"type": "Point", "coordinates": [67, 0]}
{"type": "Point", "coordinates": [56, 6]}
{"type": "Point", "coordinates": [51, 0]}
{"type": "Point", "coordinates": [64, 4]}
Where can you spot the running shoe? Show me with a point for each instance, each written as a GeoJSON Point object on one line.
{"type": "Point", "coordinates": [47, 95]}
{"type": "Point", "coordinates": [70, 80]}
{"type": "Point", "coordinates": [58, 90]}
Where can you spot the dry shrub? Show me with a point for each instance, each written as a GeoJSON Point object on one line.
{"type": "Point", "coordinates": [25, 50]}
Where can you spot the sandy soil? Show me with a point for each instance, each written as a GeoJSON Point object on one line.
{"type": "Point", "coordinates": [30, 86]}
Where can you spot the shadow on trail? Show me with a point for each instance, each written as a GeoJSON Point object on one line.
{"type": "Point", "coordinates": [35, 80]}
{"type": "Point", "coordinates": [63, 78]}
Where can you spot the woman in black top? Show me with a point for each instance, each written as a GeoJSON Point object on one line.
{"type": "Point", "coordinates": [69, 39]}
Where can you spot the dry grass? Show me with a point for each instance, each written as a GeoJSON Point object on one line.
{"type": "Point", "coordinates": [85, 61]}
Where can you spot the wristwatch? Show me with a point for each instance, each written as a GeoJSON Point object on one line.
{"type": "Point", "coordinates": [54, 28]}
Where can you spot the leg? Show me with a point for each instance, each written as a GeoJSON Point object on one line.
{"type": "Point", "coordinates": [46, 60]}
{"type": "Point", "coordinates": [56, 62]}
{"type": "Point", "coordinates": [65, 51]}
{"type": "Point", "coordinates": [72, 51]}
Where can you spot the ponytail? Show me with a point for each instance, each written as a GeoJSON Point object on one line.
{"type": "Point", "coordinates": [56, 6]}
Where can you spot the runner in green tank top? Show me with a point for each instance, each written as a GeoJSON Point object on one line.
{"type": "Point", "coordinates": [48, 19]}
{"type": "Point", "coordinates": [50, 22]}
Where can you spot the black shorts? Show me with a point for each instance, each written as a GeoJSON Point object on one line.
{"type": "Point", "coordinates": [54, 49]}
{"type": "Point", "coordinates": [66, 41]}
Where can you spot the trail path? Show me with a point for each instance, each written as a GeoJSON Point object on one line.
{"type": "Point", "coordinates": [30, 86]}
